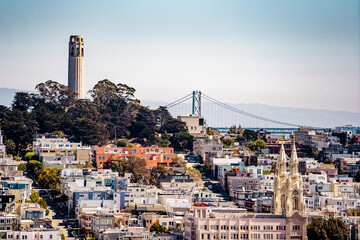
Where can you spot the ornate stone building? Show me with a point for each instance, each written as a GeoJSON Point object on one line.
{"type": "Point", "coordinates": [288, 187]}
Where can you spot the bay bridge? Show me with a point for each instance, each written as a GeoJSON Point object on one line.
{"type": "Point", "coordinates": [221, 115]}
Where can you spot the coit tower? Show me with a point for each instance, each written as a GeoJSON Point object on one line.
{"type": "Point", "coordinates": [76, 65]}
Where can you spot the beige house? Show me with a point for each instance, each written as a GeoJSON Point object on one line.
{"type": "Point", "coordinates": [196, 125]}
{"type": "Point", "coordinates": [49, 145]}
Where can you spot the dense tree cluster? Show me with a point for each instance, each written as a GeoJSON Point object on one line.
{"type": "Point", "coordinates": [331, 229]}
{"type": "Point", "coordinates": [112, 112]}
{"type": "Point", "coordinates": [156, 227]}
{"type": "Point", "coordinates": [49, 178]}
{"type": "Point", "coordinates": [256, 145]}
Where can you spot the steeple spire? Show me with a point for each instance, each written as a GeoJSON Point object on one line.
{"type": "Point", "coordinates": [282, 158]}
{"type": "Point", "coordinates": [293, 159]}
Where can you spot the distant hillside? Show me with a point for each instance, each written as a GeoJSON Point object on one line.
{"type": "Point", "coordinates": [223, 118]}
{"type": "Point", "coordinates": [7, 96]}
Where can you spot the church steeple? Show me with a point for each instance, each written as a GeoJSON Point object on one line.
{"type": "Point", "coordinates": [294, 163]}
{"type": "Point", "coordinates": [288, 193]}
{"type": "Point", "coordinates": [282, 159]}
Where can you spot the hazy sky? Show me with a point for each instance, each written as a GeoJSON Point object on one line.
{"type": "Point", "coordinates": [285, 53]}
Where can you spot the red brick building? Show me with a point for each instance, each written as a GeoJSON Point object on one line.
{"type": "Point", "coordinates": [154, 156]}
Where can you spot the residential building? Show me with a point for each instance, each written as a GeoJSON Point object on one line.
{"type": "Point", "coordinates": [100, 222]}
{"type": "Point", "coordinates": [154, 156]}
{"type": "Point", "coordinates": [196, 125]}
{"type": "Point", "coordinates": [50, 145]}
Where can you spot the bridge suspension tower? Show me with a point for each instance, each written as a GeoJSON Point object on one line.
{"type": "Point", "coordinates": [196, 103]}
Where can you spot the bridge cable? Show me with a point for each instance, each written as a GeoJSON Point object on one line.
{"type": "Point", "coordinates": [187, 97]}
{"type": "Point", "coordinates": [246, 113]}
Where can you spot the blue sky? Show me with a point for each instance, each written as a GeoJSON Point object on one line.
{"type": "Point", "coordinates": [284, 53]}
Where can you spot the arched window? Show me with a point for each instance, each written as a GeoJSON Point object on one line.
{"type": "Point", "coordinates": [295, 204]}
{"type": "Point", "coordinates": [72, 51]}
{"type": "Point", "coordinates": [283, 202]}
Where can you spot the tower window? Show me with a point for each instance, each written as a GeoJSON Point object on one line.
{"type": "Point", "coordinates": [82, 52]}
{"type": "Point", "coordinates": [72, 51]}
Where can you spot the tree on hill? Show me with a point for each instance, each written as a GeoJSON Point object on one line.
{"type": "Point", "coordinates": [113, 111]}
{"type": "Point", "coordinates": [273, 168]}
{"type": "Point", "coordinates": [207, 167]}
{"type": "Point", "coordinates": [143, 126]}
{"type": "Point", "coordinates": [120, 165]}
{"type": "Point", "coordinates": [22, 167]}
{"type": "Point", "coordinates": [178, 162]}
{"type": "Point", "coordinates": [194, 174]}
{"type": "Point", "coordinates": [331, 229]}
{"type": "Point", "coordinates": [31, 156]}
{"type": "Point", "coordinates": [250, 135]}
{"type": "Point", "coordinates": [211, 131]}
{"type": "Point", "coordinates": [182, 141]}
{"type": "Point", "coordinates": [49, 178]}
{"type": "Point", "coordinates": [227, 142]}
{"type": "Point", "coordinates": [139, 170]}
{"type": "Point", "coordinates": [158, 173]}
{"type": "Point", "coordinates": [329, 161]}
{"type": "Point", "coordinates": [156, 227]}
{"type": "Point", "coordinates": [256, 145]}
{"type": "Point", "coordinates": [234, 130]}
{"type": "Point", "coordinates": [34, 166]}
{"type": "Point", "coordinates": [162, 117]}
{"type": "Point", "coordinates": [88, 165]}
{"type": "Point", "coordinates": [122, 142]}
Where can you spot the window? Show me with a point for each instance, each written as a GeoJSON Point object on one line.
{"type": "Point", "coordinates": [50, 236]}
{"type": "Point", "coordinates": [296, 227]}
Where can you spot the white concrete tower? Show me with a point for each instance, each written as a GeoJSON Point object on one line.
{"type": "Point", "coordinates": [2, 146]}
{"type": "Point", "coordinates": [76, 65]}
